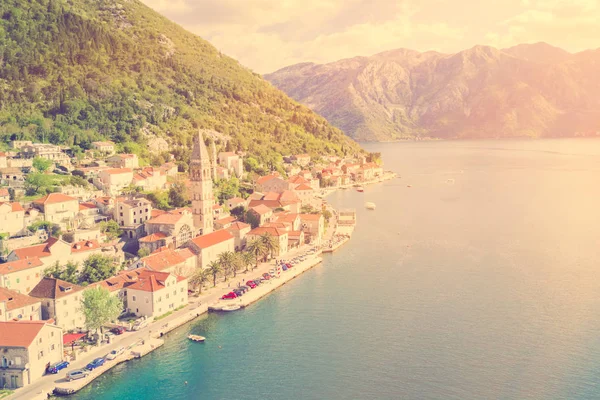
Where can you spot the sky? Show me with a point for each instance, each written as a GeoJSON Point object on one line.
{"type": "Point", "coordinates": [266, 35]}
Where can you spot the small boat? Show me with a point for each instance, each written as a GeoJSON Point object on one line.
{"type": "Point", "coordinates": [360, 189]}
{"type": "Point", "coordinates": [231, 307]}
{"type": "Point", "coordinates": [408, 185]}
{"type": "Point", "coordinates": [196, 338]}
{"type": "Point", "coordinates": [370, 206]}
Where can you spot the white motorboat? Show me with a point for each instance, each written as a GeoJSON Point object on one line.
{"type": "Point", "coordinates": [370, 206]}
{"type": "Point", "coordinates": [196, 338]}
{"type": "Point", "coordinates": [231, 307]}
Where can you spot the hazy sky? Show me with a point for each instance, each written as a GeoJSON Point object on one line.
{"type": "Point", "coordinates": [266, 35]}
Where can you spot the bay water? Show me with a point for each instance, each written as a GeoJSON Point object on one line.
{"type": "Point", "coordinates": [477, 277]}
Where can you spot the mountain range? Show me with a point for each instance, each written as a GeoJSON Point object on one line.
{"type": "Point", "coordinates": [76, 71]}
{"type": "Point", "coordinates": [530, 90]}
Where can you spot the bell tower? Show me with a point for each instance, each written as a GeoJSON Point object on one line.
{"type": "Point", "coordinates": [202, 186]}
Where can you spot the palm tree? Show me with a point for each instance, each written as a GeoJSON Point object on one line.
{"type": "Point", "coordinates": [247, 259]}
{"type": "Point", "coordinates": [227, 261]}
{"type": "Point", "coordinates": [199, 278]}
{"type": "Point", "coordinates": [214, 268]}
{"type": "Point", "coordinates": [257, 248]}
{"type": "Point", "coordinates": [271, 244]}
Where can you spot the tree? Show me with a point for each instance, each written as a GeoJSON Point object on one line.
{"type": "Point", "coordinates": [111, 229]}
{"type": "Point", "coordinates": [97, 268]}
{"type": "Point", "coordinates": [143, 252]}
{"type": "Point", "coordinates": [100, 307]}
{"type": "Point", "coordinates": [327, 215]}
{"type": "Point", "coordinates": [257, 248]}
{"type": "Point", "coordinates": [252, 219]}
{"type": "Point", "coordinates": [214, 268]}
{"type": "Point", "coordinates": [308, 209]}
{"type": "Point", "coordinates": [38, 183]}
{"type": "Point", "coordinates": [228, 263]}
{"type": "Point", "coordinates": [271, 244]}
{"type": "Point", "coordinates": [199, 278]}
{"type": "Point", "coordinates": [238, 212]}
{"type": "Point", "coordinates": [68, 273]}
{"type": "Point", "coordinates": [41, 164]}
{"type": "Point", "coordinates": [178, 196]}
{"type": "Point", "coordinates": [247, 259]}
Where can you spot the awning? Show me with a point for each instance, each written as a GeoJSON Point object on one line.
{"type": "Point", "coordinates": [72, 337]}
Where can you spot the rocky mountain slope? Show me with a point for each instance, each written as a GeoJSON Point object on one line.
{"type": "Point", "coordinates": [525, 91]}
{"type": "Point", "coordinates": [75, 71]}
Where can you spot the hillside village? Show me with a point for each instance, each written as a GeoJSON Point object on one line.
{"type": "Point", "coordinates": [109, 224]}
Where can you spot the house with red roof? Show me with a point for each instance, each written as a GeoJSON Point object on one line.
{"type": "Point", "coordinates": [272, 183]}
{"type": "Point", "coordinates": [208, 247]}
{"type": "Point", "coordinates": [150, 178]}
{"type": "Point", "coordinates": [313, 226]}
{"type": "Point", "coordinates": [236, 202]}
{"type": "Point", "coordinates": [123, 161]}
{"type": "Point", "coordinates": [4, 194]}
{"type": "Point", "coordinates": [262, 212]}
{"type": "Point", "coordinates": [12, 218]}
{"type": "Point", "coordinates": [224, 223]}
{"type": "Point", "coordinates": [168, 260]}
{"type": "Point", "coordinates": [156, 293]}
{"type": "Point", "coordinates": [19, 307]}
{"type": "Point", "coordinates": [173, 228]}
{"type": "Point", "coordinates": [21, 275]}
{"type": "Point", "coordinates": [61, 301]}
{"type": "Point", "coordinates": [239, 230]}
{"type": "Point", "coordinates": [26, 349]}
{"type": "Point", "coordinates": [113, 180]}
{"type": "Point", "coordinates": [59, 209]}
{"type": "Point", "coordinates": [104, 147]}
{"type": "Point", "coordinates": [280, 234]}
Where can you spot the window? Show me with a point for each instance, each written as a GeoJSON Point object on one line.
{"type": "Point", "coordinates": [48, 304]}
{"type": "Point", "coordinates": [18, 360]}
{"type": "Point", "coordinates": [52, 334]}
{"type": "Point", "coordinates": [133, 298]}
{"type": "Point", "coordinates": [135, 221]}
{"type": "Point", "coordinates": [175, 291]}
{"type": "Point", "coordinates": [64, 302]}
{"type": "Point", "coordinates": [181, 290]}
{"type": "Point", "coordinates": [40, 355]}
{"type": "Point", "coordinates": [147, 300]}
{"type": "Point", "coordinates": [134, 213]}
{"type": "Point", "coordinates": [121, 214]}
{"type": "Point", "coordinates": [18, 280]}
{"type": "Point", "coordinates": [167, 295]}
{"type": "Point", "coordinates": [28, 277]}
{"type": "Point", "coordinates": [52, 348]}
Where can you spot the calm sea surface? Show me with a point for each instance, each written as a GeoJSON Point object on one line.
{"type": "Point", "coordinates": [481, 281]}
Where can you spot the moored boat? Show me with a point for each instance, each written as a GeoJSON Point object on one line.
{"type": "Point", "coordinates": [370, 206]}
{"type": "Point", "coordinates": [231, 307]}
{"type": "Point", "coordinates": [196, 338]}
{"type": "Point", "coordinates": [360, 189]}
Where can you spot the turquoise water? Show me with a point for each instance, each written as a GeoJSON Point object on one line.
{"type": "Point", "coordinates": [480, 281]}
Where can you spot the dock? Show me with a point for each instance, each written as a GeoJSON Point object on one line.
{"type": "Point", "coordinates": [138, 350]}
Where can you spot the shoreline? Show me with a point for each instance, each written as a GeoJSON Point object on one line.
{"type": "Point", "coordinates": [150, 337]}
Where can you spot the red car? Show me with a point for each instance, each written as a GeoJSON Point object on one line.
{"type": "Point", "coordinates": [229, 296]}
{"type": "Point", "coordinates": [266, 276]}
{"type": "Point", "coordinates": [119, 330]}
{"type": "Point", "coordinates": [251, 284]}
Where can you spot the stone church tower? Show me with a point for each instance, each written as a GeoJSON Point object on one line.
{"type": "Point", "coordinates": [202, 186]}
{"type": "Point", "coordinates": [214, 161]}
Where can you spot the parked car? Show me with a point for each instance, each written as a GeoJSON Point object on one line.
{"type": "Point", "coordinates": [244, 288]}
{"type": "Point", "coordinates": [285, 268]}
{"type": "Point", "coordinates": [98, 362]}
{"type": "Point", "coordinates": [238, 292]}
{"type": "Point", "coordinates": [141, 323]}
{"type": "Point", "coordinates": [119, 330]}
{"type": "Point", "coordinates": [251, 284]}
{"type": "Point", "coordinates": [54, 368]}
{"type": "Point", "coordinates": [76, 374]}
{"type": "Point", "coordinates": [257, 281]}
{"type": "Point", "coordinates": [113, 354]}
{"type": "Point", "coordinates": [229, 296]}
{"type": "Point", "coordinates": [266, 276]}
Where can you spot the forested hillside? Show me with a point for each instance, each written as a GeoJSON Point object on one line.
{"type": "Point", "coordinates": [76, 71]}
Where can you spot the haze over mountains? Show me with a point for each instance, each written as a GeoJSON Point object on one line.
{"type": "Point", "coordinates": [530, 90]}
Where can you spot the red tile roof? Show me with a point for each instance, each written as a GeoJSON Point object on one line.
{"type": "Point", "coordinates": [236, 200]}
{"type": "Point", "coordinates": [14, 206]}
{"type": "Point", "coordinates": [165, 218]}
{"type": "Point", "coordinates": [156, 212]}
{"type": "Point", "coordinates": [150, 281]}
{"type": "Point", "coordinates": [311, 217]}
{"type": "Point", "coordinates": [264, 179]}
{"type": "Point", "coordinates": [38, 250]}
{"type": "Point", "coordinates": [15, 300]}
{"type": "Point", "coordinates": [154, 237]}
{"type": "Point", "coordinates": [261, 230]}
{"type": "Point", "coordinates": [4, 192]}
{"type": "Point", "coordinates": [19, 265]}
{"type": "Point", "coordinates": [87, 206]}
{"type": "Point", "coordinates": [271, 196]}
{"type": "Point", "coordinates": [297, 179]}
{"type": "Point", "coordinates": [52, 288]}
{"type": "Point", "coordinates": [54, 198]}
{"type": "Point", "coordinates": [85, 245]}
{"type": "Point", "coordinates": [226, 220]}
{"type": "Point", "coordinates": [185, 253]}
{"type": "Point", "coordinates": [238, 226]}
{"type": "Point", "coordinates": [117, 171]}
{"type": "Point", "coordinates": [216, 207]}
{"type": "Point", "coordinates": [211, 239]}
{"type": "Point", "coordinates": [19, 334]}
{"type": "Point", "coordinates": [262, 207]}
{"type": "Point", "coordinates": [303, 187]}
{"type": "Point", "coordinates": [162, 260]}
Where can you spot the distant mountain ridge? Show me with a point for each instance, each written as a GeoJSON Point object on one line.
{"type": "Point", "coordinates": [529, 90]}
